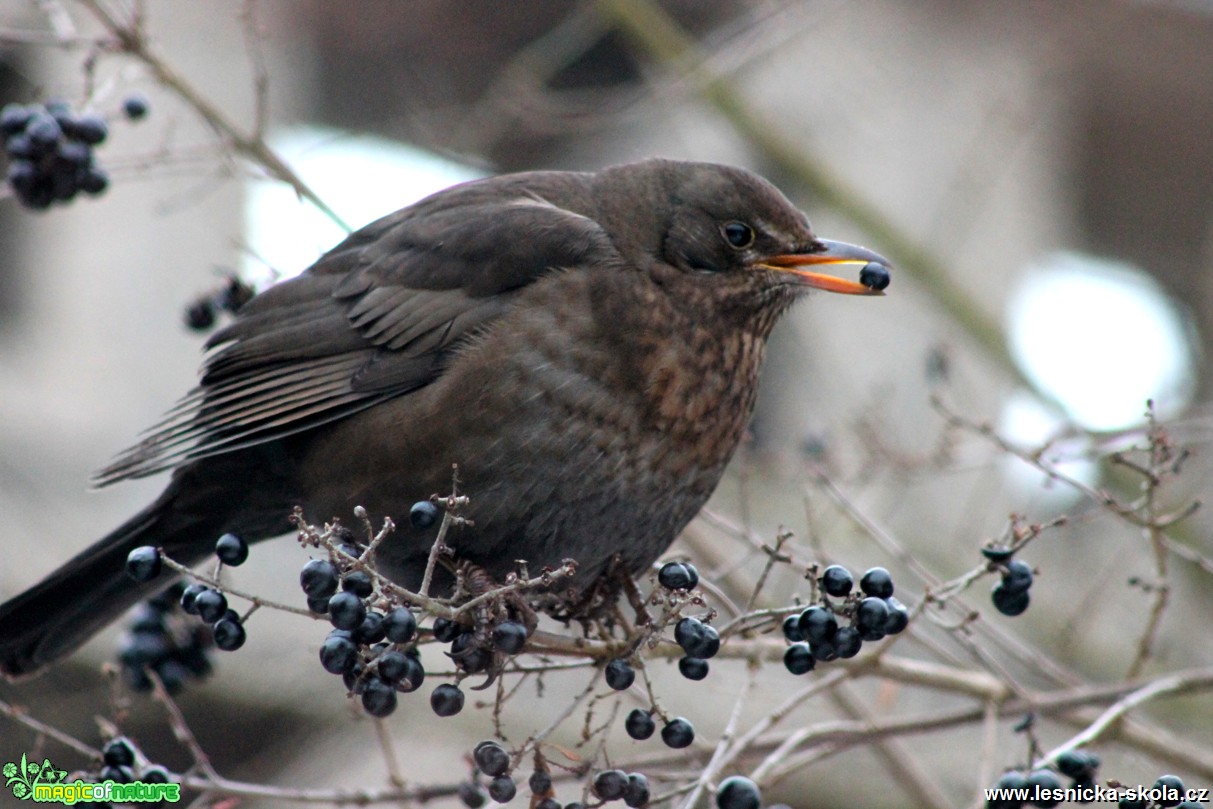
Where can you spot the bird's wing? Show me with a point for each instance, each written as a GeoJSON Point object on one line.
{"type": "Point", "coordinates": [376, 317]}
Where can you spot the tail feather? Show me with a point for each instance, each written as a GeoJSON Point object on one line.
{"type": "Point", "coordinates": [56, 616]}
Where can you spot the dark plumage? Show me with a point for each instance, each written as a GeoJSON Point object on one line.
{"type": "Point", "coordinates": [585, 346]}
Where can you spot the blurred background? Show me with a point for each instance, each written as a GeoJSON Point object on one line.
{"type": "Point", "coordinates": [1040, 174]}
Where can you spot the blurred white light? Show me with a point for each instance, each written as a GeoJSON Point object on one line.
{"type": "Point", "coordinates": [1101, 338]}
{"type": "Point", "coordinates": [1027, 423]}
{"type": "Point", "coordinates": [361, 178]}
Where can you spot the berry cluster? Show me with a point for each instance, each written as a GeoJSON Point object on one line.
{"type": "Point", "coordinates": [158, 641]}
{"type": "Point", "coordinates": [201, 313]}
{"type": "Point", "coordinates": [1078, 765]}
{"type": "Point", "coordinates": [50, 150]}
{"type": "Point", "coordinates": [373, 641]}
{"type": "Point", "coordinates": [492, 760]}
{"type": "Point", "coordinates": [119, 764]}
{"type": "Point", "coordinates": [815, 634]}
{"type": "Point", "coordinates": [617, 785]}
{"type": "Point", "coordinates": [1010, 596]}
{"type": "Point", "coordinates": [152, 644]}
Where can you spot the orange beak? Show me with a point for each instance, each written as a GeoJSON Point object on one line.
{"type": "Point", "coordinates": [873, 278]}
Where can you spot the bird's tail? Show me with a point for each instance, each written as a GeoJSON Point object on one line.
{"type": "Point", "coordinates": [53, 618]}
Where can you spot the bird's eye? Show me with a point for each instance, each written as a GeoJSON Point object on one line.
{"type": "Point", "coordinates": [739, 234]}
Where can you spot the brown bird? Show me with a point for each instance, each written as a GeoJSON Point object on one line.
{"type": "Point", "coordinates": [585, 346]}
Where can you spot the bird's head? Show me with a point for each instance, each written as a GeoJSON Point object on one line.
{"type": "Point", "coordinates": [728, 237]}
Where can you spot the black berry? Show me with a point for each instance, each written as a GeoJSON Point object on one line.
{"type": "Point", "coordinates": [636, 793]}
{"type": "Point", "coordinates": [609, 785]}
{"type": "Point", "coordinates": [678, 733]}
{"type": "Point", "coordinates": [338, 653]}
{"type": "Point", "coordinates": [693, 668]}
{"type": "Point", "coordinates": [491, 758]}
{"type": "Point", "coordinates": [446, 630]}
{"type": "Point", "coordinates": [818, 624]}
{"type": "Point", "coordinates": [1018, 576]}
{"type": "Point", "coordinates": [877, 582]}
{"type": "Point", "coordinates": [188, 595]}
{"type": "Point", "coordinates": [318, 578]}
{"type": "Point", "coordinates": [211, 604]}
{"type": "Point", "coordinates": [229, 633]}
{"type": "Point", "coordinates": [1009, 603]}
{"type": "Point", "coordinates": [143, 563]}
{"type": "Point", "coordinates": [379, 697]}
{"type": "Point", "coordinates": [509, 637]}
{"type": "Point", "coordinates": [502, 789]}
{"type": "Point", "coordinates": [696, 638]}
{"type": "Point", "coordinates": [423, 515]}
{"type": "Point", "coordinates": [446, 700]}
{"type": "Point", "coordinates": [837, 581]}
{"type": "Point", "coordinates": [231, 550]}
{"type": "Point", "coordinates": [540, 782]}
{"type": "Point", "coordinates": [134, 106]}
{"type": "Point", "coordinates": [678, 576]}
{"type": "Point", "coordinates": [118, 753]}
{"type": "Point", "coordinates": [346, 611]}
{"type": "Point", "coordinates": [899, 616]}
{"type": "Point", "coordinates": [791, 629]}
{"type": "Point", "coordinates": [798, 659]}
{"type": "Point", "coordinates": [400, 625]}
{"type": "Point", "coordinates": [358, 582]}
{"type": "Point", "coordinates": [639, 724]}
{"type": "Point", "coordinates": [371, 629]}
{"type": "Point", "coordinates": [874, 275]}
{"type": "Point", "coordinates": [619, 674]}
{"type": "Point", "coordinates": [738, 792]}
{"type": "Point", "coordinates": [847, 642]}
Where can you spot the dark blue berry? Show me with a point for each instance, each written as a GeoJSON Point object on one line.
{"type": "Point", "coordinates": [1009, 603]}
{"type": "Point", "coordinates": [423, 515]}
{"type": "Point", "coordinates": [188, 595]}
{"type": "Point", "coordinates": [678, 733]}
{"type": "Point", "coordinates": [791, 629]}
{"type": "Point", "coordinates": [798, 659]}
{"type": "Point", "coordinates": [118, 753]}
{"type": "Point", "coordinates": [211, 604]}
{"type": "Point", "coordinates": [491, 758]}
{"type": "Point", "coordinates": [693, 668]}
{"type": "Point", "coordinates": [231, 550]}
{"type": "Point", "coordinates": [738, 792]}
{"type": "Point", "coordinates": [379, 697]}
{"type": "Point", "coordinates": [358, 582]}
{"type": "Point", "coordinates": [696, 638]}
{"type": "Point", "coordinates": [502, 789]}
{"type": "Point", "coordinates": [619, 674]}
{"type": "Point", "coordinates": [135, 106]}
{"type": "Point", "coordinates": [338, 653]}
{"type": "Point", "coordinates": [509, 637]}
{"type": "Point", "coordinates": [636, 793]}
{"type": "Point", "coordinates": [446, 700]}
{"type": "Point", "coordinates": [400, 625]}
{"type": "Point", "coordinates": [346, 611]}
{"type": "Point", "coordinates": [837, 581]}
{"type": "Point", "coordinates": [609, 785]}
{"type": "Point", "coordinates": [874, 275]}
{"type": "Point", "coordinates": [678, 576]}
{"type": "Point", "coordinates": [143, 563]}
{"type": "Point", "coordinates": [818, 624]}
{"type": "Point", "coordinates": [639, 724]}
{"type": "Point", "coordinates": [877, 582]}
{"type": "Point", "coordinates": [1018, 576]}
{"type": "Point", "coordinates": [847, 642]}
{"type": "Point", "coordinates": [229, 633]}
{"type": "Point", "coordinates": [319, 578]}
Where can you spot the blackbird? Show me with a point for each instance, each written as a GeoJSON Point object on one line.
{"type": "Point", "coordinates": [584, 346]}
